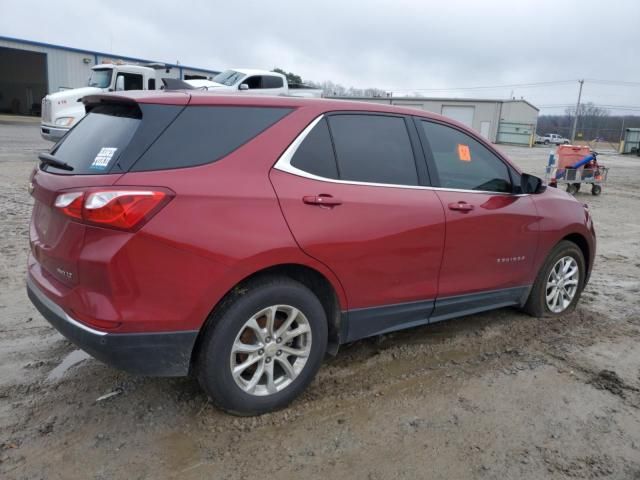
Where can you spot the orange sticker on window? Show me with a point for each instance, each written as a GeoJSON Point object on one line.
{"type": "Point", "coordinates": [464, 153]}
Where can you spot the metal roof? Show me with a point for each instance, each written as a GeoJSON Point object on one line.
{"type": "Point", "coordinates": [102, 54]}
{"type": "Point", "coordinates": [443, 99]}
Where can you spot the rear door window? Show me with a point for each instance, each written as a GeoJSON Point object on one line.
{"type": "Point", "coordinates": [373, 149]}
{"type": "Point", "coordinates": [464, 163]}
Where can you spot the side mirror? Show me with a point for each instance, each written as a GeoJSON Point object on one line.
{"type": "Point", "coordinates": [243, 86]}
{"type": "Point", "coordinates": [531, 184]}
{"type": "Point", "coordinates": [119, 83]}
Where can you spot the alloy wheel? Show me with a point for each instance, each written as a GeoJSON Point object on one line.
{"type": "Point", "coordinates": [562, 284]}
{"type": "Point", "coordinates": [270, 350]}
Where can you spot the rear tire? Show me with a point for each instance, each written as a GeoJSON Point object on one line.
{"type": "Point", "coordinates": [239, 333]}
{"type": "Point", "coordinates": [538, 303]}
{"type": "Point", "coordinates": [596, 190]}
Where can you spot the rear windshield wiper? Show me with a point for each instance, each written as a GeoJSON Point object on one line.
{"type": "Point", "coordinates": [47, 159]}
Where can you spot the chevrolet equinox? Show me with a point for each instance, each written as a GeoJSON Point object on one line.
{"type": "Point", "coordinates": [241, 239]}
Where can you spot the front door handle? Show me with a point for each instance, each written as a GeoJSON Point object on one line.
{"type": "Point", "coordinates": [461, 206]}
{"type": "Point", "coordinates": [321, 200]}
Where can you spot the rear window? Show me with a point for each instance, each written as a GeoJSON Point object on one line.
{"type": "Point", "coordinates": [94, 145]}
{"type": "Point", "coordinates": [119, 138]}
{"type": "Point", "coordinates": [203, 134]}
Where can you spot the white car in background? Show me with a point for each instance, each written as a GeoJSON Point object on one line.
{"type": "Point", "coordinates": [554, 138]}
{"type": "Point", "coordinates": [255, 82]}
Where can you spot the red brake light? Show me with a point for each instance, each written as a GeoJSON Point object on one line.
{"type": "Point", "coordinates": [121, 209]}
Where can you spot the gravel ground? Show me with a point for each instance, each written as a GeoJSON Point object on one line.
{"type": "Point", "coordinates": [497, 395]}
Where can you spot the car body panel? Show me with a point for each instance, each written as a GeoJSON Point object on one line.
{"type": "Point", "coordinates": [384, 243]}
{"type": "Point", "coordinates": [381, 250]}
{"type": "Point", "coordinates": [490, 247]}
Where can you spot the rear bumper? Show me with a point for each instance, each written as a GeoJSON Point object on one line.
{"type": "Point", "coordinates": [53, 134]}
{"type": "Point", "coordinates": [165, 354]}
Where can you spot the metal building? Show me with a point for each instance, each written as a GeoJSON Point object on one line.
{"type": "Point", "coordinates": [29, 70]}
{"type": "Point", "coordinates": [631, 141]}
{"type": "Point", "coordinates": [499, 121]}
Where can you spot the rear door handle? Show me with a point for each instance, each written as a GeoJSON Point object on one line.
{"type": "Point", "coordinates": [461, 206]}
{"type": "Point", "coordinates": [321, 200]}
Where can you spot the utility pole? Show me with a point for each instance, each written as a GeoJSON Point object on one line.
{"type": "Point", "coordinates": [622, 128]}
{"type": "Point", "coordinates": [575, 119]}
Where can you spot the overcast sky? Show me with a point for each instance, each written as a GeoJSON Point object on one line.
{"type": "Point", "coordinates": [398, 45]}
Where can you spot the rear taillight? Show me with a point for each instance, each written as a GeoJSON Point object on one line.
{"type": "Point", "coordinates": [71, 203]}
{"type": "Point", "coordinates": [121, 209]}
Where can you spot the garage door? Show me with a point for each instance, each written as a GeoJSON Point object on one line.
{"type": "Point", "coordinates": [23, 81]}
{"type": "Point", "coordinates": [461, 114]}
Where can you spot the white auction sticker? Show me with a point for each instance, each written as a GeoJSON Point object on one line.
{"type": "Point", "coordinates": [104, 156]}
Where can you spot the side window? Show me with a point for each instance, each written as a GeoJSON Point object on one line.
{"type": "Point", "coordinates": [463, 162]}
{"type": "Point", "coordinates": [269, 81]}
{"type": "Point", "coordinates": [253, 82]}
{"type": "Point", "coordinates": [131, 81]}
{"type": "Point", "coordinates": [315, 154]}
{"type": "Point", "coordinates": [202, 134]}
{"type": "Point", "coordinates": [151, 84]}
{"type": "Point", "coordinates": [373, 148]}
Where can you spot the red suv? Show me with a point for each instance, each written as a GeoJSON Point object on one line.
{"type": "Point", "coordinates": [241, 239]}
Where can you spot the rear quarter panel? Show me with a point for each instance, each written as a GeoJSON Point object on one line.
{"type": "Point", "coordinates": [225, 214]}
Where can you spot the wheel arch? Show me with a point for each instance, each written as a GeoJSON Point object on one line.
{"type": "Point", "coordinates": [584, 247]}
{"type": "Point", "coordinates": [310, 277]}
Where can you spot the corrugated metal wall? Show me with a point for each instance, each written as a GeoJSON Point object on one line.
{"type": "Point", "coordinates": [486, 112]}
{"type": "Point", "coordinates": [67, 68]}
{"type": "Point", "coordinates": [516, 133]}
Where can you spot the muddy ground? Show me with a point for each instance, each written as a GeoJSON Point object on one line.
{"type": "Point", "coordinates": [498, 395]}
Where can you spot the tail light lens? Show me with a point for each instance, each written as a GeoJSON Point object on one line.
{"type": "Point", "coordinates": [70, 203]}
{"type": "Point", "coordinates": [120, 209]}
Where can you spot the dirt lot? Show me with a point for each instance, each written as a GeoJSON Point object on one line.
{"type": "Point", "coordinates": [498, 395]}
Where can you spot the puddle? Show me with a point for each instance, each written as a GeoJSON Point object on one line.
{"type": "Point", "coordinates": [69, 361]}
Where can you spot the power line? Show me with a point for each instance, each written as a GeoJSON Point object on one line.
{"type": "Point", "coordinates": [613, 82]}
{"type": "Point", "coordinates": [520, 85]}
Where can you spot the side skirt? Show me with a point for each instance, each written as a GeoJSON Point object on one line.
{"type": "Point", "coordinates": [366, 322]}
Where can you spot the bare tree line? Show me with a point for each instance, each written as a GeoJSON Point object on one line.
{"type": "Point", "coordinates": [594, 122]}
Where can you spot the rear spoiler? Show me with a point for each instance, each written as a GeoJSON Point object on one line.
{"type": "Point", "coordinates": [135, 97]}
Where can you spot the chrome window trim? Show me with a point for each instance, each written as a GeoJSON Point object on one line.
{"type": "Point", "coordinates": [284, 165]}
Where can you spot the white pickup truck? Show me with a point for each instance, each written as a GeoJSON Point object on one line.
{"type": "Point", "coordinates": [255, 82]}
{"type": "Point", "coordinates": [552, 138]}
{"type": "Point", "coordinates": [62, 110]}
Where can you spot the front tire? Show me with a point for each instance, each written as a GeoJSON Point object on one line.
{"type": "Point", "coordinates": [262, 347]}
{"type": "Point", "coordinates": [559, 283]}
